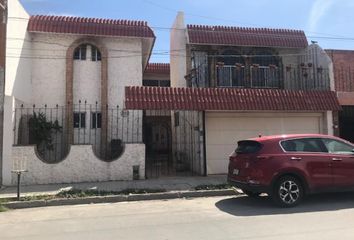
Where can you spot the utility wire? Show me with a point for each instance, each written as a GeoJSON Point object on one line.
{"type": "Point", "coordinates": [328, 37]}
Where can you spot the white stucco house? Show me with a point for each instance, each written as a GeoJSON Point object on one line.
{"type": "Point", "coordinates": [236, 83]}
{"type": "Point", "coordinates": [72, 71]}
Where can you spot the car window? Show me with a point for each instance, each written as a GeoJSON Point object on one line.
{"type": "Point", "coordinates": [303, 145]}
{"type": "Point", "coordinates": [248, 146]}
{"type": "Point", "coordinates": [338, 147]}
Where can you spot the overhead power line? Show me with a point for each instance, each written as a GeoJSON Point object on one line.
{"type": "Point", "coordinates": [327, 36]}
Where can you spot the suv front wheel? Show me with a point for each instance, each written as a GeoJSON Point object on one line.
{"type": "Point", "coordinates": [288, 192]}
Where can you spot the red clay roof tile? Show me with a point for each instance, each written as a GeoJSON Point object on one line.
{"type": "Point", "coordinates": [89, 26]}
{"type": "Point", "coordinates": [137, 97]}
{"type": "Point", "coordinates": [240, 36]}
{"type": "Point", "coordinates": [163, 68]}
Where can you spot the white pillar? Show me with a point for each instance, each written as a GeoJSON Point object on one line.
{"type": "Point", "coordinates": [329, 122]}
{"type": "Point", "coordinates": [8, 136]}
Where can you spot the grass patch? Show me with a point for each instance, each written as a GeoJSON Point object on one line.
{"type": "Point", "coordinates": [37, 197]}
{"type": "Point", "coordinates": [3, 209]}
{"type": "Point", "coordinates": [213, 187]}
{"type": "Point", "coordinates": [77, 193]}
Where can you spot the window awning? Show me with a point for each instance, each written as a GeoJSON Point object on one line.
{"type": "Point", "coordinates": [170, 98]}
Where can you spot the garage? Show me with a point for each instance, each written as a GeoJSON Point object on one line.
{"type": "Point", "coordinates": [223, 130]}
{"type": "Point", "coordinates": [232, 114]}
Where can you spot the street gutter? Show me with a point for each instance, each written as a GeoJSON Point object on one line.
{"type": "Point", "coordinates": [120, 198]}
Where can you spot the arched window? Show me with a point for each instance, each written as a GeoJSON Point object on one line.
{"type": "Point", "coordinates": [95, 54]}
{"type": "Point", "coordinates": [80, 52]}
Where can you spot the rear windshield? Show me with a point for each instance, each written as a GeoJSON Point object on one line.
{"type": "Point", "coordinates": [248, 146]}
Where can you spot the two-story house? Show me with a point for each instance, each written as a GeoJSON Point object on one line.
{"type": "Point", "coordinates": [233, 83]}
{"type": "Point", "coordinates": [65, 95]}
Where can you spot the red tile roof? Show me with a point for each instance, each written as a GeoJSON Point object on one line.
{"type": "Point", "coordinates": [240, 36]}
{"type": "Point", "coordinates": [162, 68]}
{"type": "Point", "coordinates": [89, 26]}
{"type": "Point", "coordinates": [229, 99]}
{"type": "Point", "coordinates": [343, 67]}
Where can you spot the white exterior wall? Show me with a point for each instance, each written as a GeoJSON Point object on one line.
{"type": "Point", "coordinates": [18, 53]}
{"type": "Point", "coordinates": [81, 165]}
{"type": "Point", "coordinates": [49, 75]}
{"type": "Point", "coordinates": [124, 67]}
{"type": "Point", "coordinates": [87, 80]}
{"type": "Point", "coordinates": [323, 60]}
{"type": "Point", "coordinates": [178, 64]}
{"type": "Point", "coordinates": [49, 69]}
{"type": "Point", "coordinates": [18, 76]}
{"type": "Point", "coordinates": [36, 74]}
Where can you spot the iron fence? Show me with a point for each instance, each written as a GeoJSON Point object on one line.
{"type": "Point", "coordinates": [54, 129]}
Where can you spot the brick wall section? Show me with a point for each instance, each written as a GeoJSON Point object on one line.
{"type": "Point", "coordinates": [69, 86]}
{"type": "Point", "coordinates": [343, 66]}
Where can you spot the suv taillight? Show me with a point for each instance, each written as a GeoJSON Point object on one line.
{"type": "Point", "coordinates": [233, 157]}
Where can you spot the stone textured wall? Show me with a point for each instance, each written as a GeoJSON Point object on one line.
{"type": "Point", "coordinates": [81, 165]}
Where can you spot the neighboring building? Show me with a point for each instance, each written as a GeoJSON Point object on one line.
{"type": "Point", "coordinates": [231, 83]}
{"type": "Point", "coordinates": [157, 75]}
{"type": "Point", "coordinates": [343, 65]}
{"type": "Point", "coordinates": [70, 73]}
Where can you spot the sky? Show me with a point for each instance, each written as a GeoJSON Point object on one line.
{"type": "Point", "coordinates": [329, 22]}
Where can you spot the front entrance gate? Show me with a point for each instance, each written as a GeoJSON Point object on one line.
{"type": "Point", "coordinates": [174, 142]}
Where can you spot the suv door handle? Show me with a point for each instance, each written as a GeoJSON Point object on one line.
{"type": "Point", "coordinates": [296, 158]}
{"type": "Point", "coordinates": [336, 159]}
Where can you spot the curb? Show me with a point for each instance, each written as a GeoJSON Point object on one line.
{"type": "Point", "coordinates": [120, 198]}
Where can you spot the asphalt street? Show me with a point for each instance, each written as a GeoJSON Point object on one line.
{"type": "Point", "coordinates": [329, 216]}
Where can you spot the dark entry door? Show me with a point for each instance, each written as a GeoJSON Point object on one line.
{"type": "Point", "coordinates": [157, 134]}
{"type": "Point", "coordinates": [346, 123]}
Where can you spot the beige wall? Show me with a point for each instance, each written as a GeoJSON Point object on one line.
{"type": "Point", "coordinates": [178, 43]}
{"type": "Point", "coordinates": [224, 130]}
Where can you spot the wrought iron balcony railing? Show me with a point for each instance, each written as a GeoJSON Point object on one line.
{"type": "Point", "coordinates": [252, 77]}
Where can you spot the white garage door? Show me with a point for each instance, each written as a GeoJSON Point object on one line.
{"type": "Point", "coordinates": [224, 130]}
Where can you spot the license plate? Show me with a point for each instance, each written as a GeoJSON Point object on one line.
{"type": "Point", "coordinates": [235, 172]}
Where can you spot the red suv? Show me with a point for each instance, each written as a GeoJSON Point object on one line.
{"type": "Point", "coordinates": [288, 167]}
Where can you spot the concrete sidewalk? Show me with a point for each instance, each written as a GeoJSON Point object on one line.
{"type": "Point", "coordinates": [167, 183]}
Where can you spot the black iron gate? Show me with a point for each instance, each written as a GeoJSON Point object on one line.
{"type": "Point", "coordinates": [174, 143]}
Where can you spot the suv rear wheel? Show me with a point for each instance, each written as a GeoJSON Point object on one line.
{"type": "Point", "coordinates": [288, 192]}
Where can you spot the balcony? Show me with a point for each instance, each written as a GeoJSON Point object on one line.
{"type": "Point", "coordinates": [292, 77]}
{"type": "Point", "coordinates": [252, 77]}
